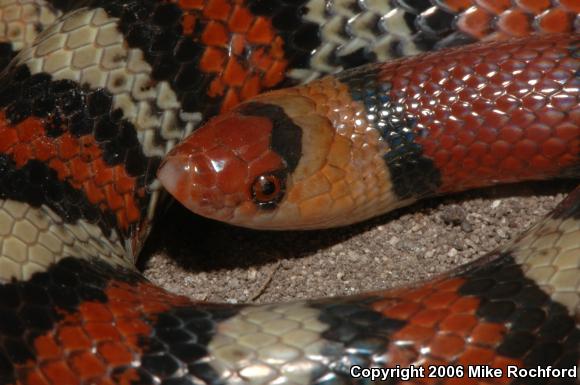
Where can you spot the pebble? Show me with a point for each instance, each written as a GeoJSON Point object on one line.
{"type": "Point", "coordinates": [393, 241]}
{"type": "Point", "coordinates": [466, 227]}
{"type": "Point", "coordinates": [454, 215]}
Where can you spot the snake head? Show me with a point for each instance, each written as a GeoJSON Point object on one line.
{"type": "Point", "coordinates": [264, 164]}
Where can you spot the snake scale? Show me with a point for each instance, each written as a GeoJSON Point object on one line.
{"type": "Point", "coordinates": [97, 98]}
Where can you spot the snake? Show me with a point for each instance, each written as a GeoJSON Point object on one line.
{"type": "Point", "coordinates": [281, 114]}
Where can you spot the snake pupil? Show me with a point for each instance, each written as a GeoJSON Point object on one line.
{"type": "Point", "coordinates": [267, 186]}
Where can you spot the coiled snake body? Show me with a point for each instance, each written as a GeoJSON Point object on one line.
{"type": "Point", "coordinates": [101, 90]}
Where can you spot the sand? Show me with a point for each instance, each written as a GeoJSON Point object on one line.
{"type": "Point", "coordinates": [206, 260]}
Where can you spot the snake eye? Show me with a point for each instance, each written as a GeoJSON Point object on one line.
{"type": "Point", "coordinates": [268, 189]}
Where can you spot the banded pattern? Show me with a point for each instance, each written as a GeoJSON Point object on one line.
{"type": "Point", "coordinates": [492, 312]}
{"type": "Point", "coordinates": [382, 136]}
{"type": "Point", "coordinates": [397, 132]}
{"type": "Point", "coordinates": [101, 90]}
{"type": "Point", "coordinates": [217, 53]}
{"type": "Point", "coordinates": [492, 112]}
{"type": "Point", "coordinates": [86, 47]}
{"type": "Point", "coordinates": [354, 32]}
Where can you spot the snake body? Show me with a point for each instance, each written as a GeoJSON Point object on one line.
{"type": "Point", "coordinates": [95, 93]}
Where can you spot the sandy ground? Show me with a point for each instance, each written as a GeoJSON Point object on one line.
{"type": "Point", "coordinates": [211, 261]}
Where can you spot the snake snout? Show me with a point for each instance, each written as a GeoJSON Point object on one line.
{"type": "Point", "coordinates": [185, 178]}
